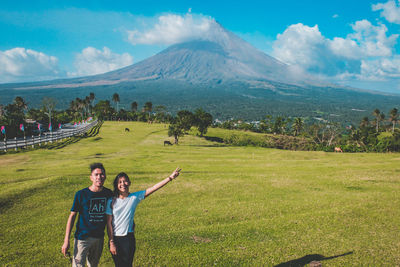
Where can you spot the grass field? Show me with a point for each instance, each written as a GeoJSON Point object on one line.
{"type": "Point", "coordinates": [231, 206]}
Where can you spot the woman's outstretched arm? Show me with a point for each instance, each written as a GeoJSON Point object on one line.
{"type": "Point", "coordinates": [157, 186]}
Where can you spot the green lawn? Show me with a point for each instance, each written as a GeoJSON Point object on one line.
{"type": "Point", "coordinates": [231, 206]}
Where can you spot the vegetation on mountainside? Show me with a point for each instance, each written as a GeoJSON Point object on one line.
{"type": "Point", "coordinates": [225, 101]}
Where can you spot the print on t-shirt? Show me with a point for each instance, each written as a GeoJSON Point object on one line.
{"type": "Point", "coordinates": [96, 209]}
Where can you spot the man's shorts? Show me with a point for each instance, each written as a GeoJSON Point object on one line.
{"type": "Point", "coordinates": [88, 250]}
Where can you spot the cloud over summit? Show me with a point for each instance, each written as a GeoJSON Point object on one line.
{"type": "Point", "coordinates": [171, 29]}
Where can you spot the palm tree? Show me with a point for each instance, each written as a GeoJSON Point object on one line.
{"type": "Point", "coordinates": [73, 106]}
{"type": "Point", "coordinates": [115, 99]}
{"type": "Point", "coordinates": [134, 106]}
{"type": "Point", "coordinates": [87, 105]}
{"type": "Point", "coordinates": [279, 125]}
{"type": "Point", "coordinates": [382, 117]}
{"type": "Point", "coordinates": [356, 136]}
{"type": "Point", "coordinates": [160, 113]}
{"type": "Point", "coordinates": [148, 107]}
{"type": "Point", "coordinates": [91, 101]}
{"type": "Point", "coordinates": [364, 122]}
{"type": "Point", "coordinates": [92, 97]}
{"type": "Point", "coordinates": [377, 113]}
{"type": "Point", "coordinates": [80, 104]}
{"type": "Point", "coordinates": [394, 117]}
{"type": "Point", "coordinates": [297, 126]}
{"type": "Point", "coordinates": [20, 102]}
{"type": "Point", "coordinates": [48, 105]}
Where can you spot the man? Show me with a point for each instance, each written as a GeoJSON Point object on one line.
{"type": "Point", "coordinates": [90, 203]}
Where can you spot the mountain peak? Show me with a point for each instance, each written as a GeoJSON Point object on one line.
{"type": "Point", "coordinates": [216, 57]}
{"type": "Point", "coordinates": [219, 56]}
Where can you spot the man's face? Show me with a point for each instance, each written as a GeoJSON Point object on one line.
{"type": "Point", "coordinates": [98, 177]}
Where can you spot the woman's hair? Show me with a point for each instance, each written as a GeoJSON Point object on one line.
{"type": "Point", "coordinates": [116, 180]}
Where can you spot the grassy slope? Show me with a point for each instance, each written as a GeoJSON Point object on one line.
{"type": "Point", "coordinates": [231, 205]}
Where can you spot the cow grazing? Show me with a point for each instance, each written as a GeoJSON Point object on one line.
{"type": "Point", "coordinates": [167, 143]}
{"type": "Point", "coordinates": [338, 149]}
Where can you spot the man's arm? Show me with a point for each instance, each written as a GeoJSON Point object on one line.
{"type": "Point", "coordinates": [157, 186]}
{"type": "Point", "coordinates": [110, 234]}
{"type": "Point", "coordinates": [68, 229]}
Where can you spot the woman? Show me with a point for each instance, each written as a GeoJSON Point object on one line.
{"type": "Point", "coordinates": [120, 212]}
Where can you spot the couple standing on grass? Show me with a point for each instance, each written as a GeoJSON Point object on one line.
{"type": "Point", "coordinates": [99, 206]}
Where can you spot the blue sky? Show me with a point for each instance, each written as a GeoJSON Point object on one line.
{"type": "Point", "coordinates": [353, 42]}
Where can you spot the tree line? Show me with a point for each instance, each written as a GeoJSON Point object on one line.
{"type": "Point", "coordinates": [17, 119]}
{"type": "Point", "coordinates": [379, 134]}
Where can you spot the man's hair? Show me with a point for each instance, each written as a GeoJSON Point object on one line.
{"type": "Point", "coordinates": [97, 165]}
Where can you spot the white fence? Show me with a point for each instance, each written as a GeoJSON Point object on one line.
{"type": "Point", "coordinates": [48, 137]}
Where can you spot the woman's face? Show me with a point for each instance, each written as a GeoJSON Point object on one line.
{"type": "Point", "coordinates": [123, 185]}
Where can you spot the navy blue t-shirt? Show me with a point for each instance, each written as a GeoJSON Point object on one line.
{"type": "Point", "coordinates": [92, 212]}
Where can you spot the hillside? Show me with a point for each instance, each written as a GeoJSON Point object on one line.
{"type": "Point", "coordinates": [230, 206]}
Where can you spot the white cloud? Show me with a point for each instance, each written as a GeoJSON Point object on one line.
{"type": "Point", "coordinates": [299, 45]}
{"type": "Point", "coordinates": [372, 39]}
{"type": "Point", "coordinates": [93, 61]}
{"type": "Point", "coordinates": [346, 48]}
{"type": "Point", "coordinates": [171, 29]}
{"type": "Point", "coordinates": [390, 10]}
{"type": "Point", "coordinates": [366, 53]}
{"type": "Point", "coordinates": [20, 64]}
{"type": "Point", "coordinates": [381, 68]}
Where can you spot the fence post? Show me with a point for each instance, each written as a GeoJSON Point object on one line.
{"type": "Point", "coordinates": [15, 140]}
{"type": "Point", "coordinates": [40, 139]}
{"type": "Point", "coordinates": [5, 144]}
{"type": "Point", "coordinates": [25, 141]}
{"type": "Point", "coordinates": [33, 141]}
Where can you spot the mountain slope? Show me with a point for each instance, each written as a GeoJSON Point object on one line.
{"type": "Point", "coordinates": [201, 62]}
{"type": "Point", "coordinates": [220, 57]}
{"type": "Point", "coordinates": [217, 58]}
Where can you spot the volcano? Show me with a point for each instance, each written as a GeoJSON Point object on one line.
{"type": "Point", "coordinates": [219, 72]}
{"type": "Point", "coordinates": [220, 57]}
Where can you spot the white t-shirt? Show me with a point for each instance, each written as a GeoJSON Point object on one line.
{"type": "Point", "coordinates": [123, 212]}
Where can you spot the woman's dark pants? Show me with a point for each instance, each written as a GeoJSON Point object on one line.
{"type": "Point", "coordinates": [126, 246]}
